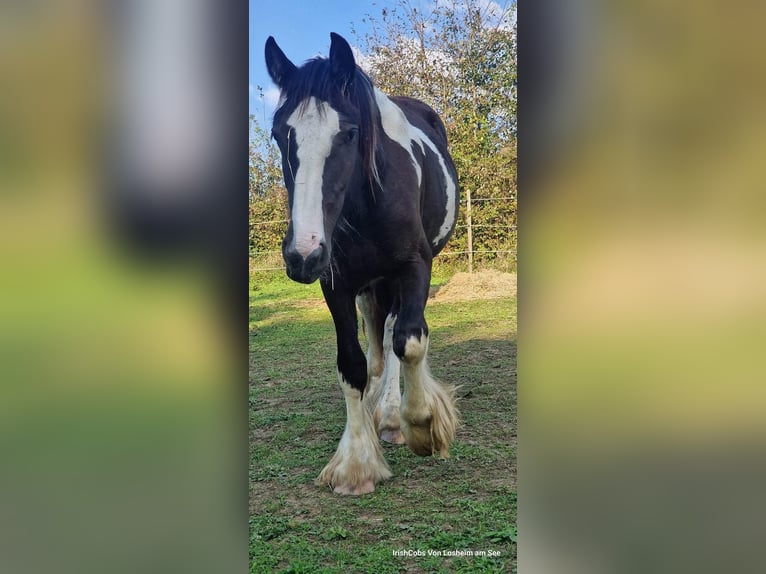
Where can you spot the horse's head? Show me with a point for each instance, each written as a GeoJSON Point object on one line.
{"type": "Point", "coordinates": [322, 127]}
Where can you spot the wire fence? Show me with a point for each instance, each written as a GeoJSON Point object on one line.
{"type": "Point", "coordinates": [265, 260]}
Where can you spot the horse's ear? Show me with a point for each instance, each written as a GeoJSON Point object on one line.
{"type": "Point", "coordinates": [341, 59]}
{"type": "Point", "coordinates": [279, 66]}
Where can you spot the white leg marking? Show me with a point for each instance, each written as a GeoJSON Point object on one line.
{"type": "Point", "coordinates": [358, 463]}
{"type": "Point", "coordinates": [384, 399]}
{"type": "Point", "coordinates": [429, 414]}
{"type": "Point", "coordinates": [400, 130]}
{"type": "Point", "coordinates": [315, 127]}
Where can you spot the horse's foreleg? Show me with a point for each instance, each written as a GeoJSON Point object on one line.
{"type": "Point", "coordinates": [358, 462]}
{"type": "Point", "coordinates": [429, 416]}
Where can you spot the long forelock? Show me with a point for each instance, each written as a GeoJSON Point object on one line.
{"type": "Point", "coordinates": [315, 79]}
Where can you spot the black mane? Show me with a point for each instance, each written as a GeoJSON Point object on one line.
{"type": "Point", "coordinates": [355, 99]}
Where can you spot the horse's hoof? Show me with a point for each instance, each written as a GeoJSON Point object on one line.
{"type": "Point", "coordinates": [393, 436]}
{"type": "Point", "coordinates": [418, 438]}
{"type": "Point", "coordinates": [430, 427]}
{"type": "Point", "coordinates": [351, 490]}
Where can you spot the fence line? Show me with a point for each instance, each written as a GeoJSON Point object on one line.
{"type": "Point", "coordinates": [506, 226]}
{"type": "Point", "coordinates": [252, 253]}
{"type": "Point", "coordinates": [269, 222]}
{"type": "Point", "coordinates": [442, 254]}
{"type": "Point", "coordinates": [491, 199]}
{"type": "Point", "coordinates": [477, 251]}
{"type": "Point", "coordinates": [470, 252]}
{"type": "Point", "coordinates": [458, 225]}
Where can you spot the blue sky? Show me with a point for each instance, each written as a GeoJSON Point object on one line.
{"type": "Point", "coordinates": [302, 29]}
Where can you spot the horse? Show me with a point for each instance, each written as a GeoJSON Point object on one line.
{"type": "Point", "coordinates": [372, 198]}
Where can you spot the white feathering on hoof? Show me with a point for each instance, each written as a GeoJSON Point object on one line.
{"type": "Point", "coordinates": [358, 463]}
{"type": "Point", "coordinates": [429, 414]}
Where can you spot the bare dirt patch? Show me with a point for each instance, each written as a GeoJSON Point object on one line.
{"type": "Point", "coordinates": [486, 284]}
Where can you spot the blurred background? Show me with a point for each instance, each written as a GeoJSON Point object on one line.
{"type": "Point", "coordinates": [642, 252]}
{"type": "Point", "coordinates": [123, 234]}
{"type": "Point", "coordinates": [123, 310]}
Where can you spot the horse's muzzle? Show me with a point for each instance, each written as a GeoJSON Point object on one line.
{"type": "Point", "coordinates": [308, 269]}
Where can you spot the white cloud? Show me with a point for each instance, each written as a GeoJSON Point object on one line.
{"type": "Point", "coordinates": [442, 63]}
{"type": "Point", "coordinates": [271, 97]}
{"type": "Point", "coordinates": [502, 16]}
{"type": "Point", "coordinates": [361, 59]}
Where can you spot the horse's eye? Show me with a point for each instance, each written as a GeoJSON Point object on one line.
{"type": "Point", "coordinates": [350, 135]}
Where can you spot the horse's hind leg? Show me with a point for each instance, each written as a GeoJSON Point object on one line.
{"type": "Point", "coordinates": [373, 328]}
{"type": "Point", "coordinates": [387, 416]}
{"type": "Point", "coordinates": [382, 396]}
{"type": "Point", "coordinates": [429, 416]}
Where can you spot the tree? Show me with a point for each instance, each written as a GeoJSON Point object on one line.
{"type": "Point", "coordinates": [268, 199]}
{"type": "Point", "coordinates": [460, 57]}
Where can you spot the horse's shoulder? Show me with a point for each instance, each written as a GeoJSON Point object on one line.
{"type": "Point", "coordinates": [413, 107]}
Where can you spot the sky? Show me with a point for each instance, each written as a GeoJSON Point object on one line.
{"type": "Point", "coordinates": [302, 29]}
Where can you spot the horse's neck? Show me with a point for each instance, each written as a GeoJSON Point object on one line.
{"type": "Point", "coordinates": [360, 205]}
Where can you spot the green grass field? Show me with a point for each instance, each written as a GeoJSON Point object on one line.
{"type": "Point", "coordinates": [429, 506]}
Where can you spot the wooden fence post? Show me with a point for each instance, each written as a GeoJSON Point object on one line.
{"type": "Point", "coordinates": [470, 229]}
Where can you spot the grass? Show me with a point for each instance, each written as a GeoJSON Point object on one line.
{"type": "Point", "coordinates": [429, 506]}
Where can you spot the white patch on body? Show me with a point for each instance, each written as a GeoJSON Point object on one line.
{"type": "Point", "coordinates": [400, 130]}
{"type": "Point", "coordinates": [315, 125]}
{"type": "Point", "coordinates": [358, 463]}
{"type": "Point", "coordinates": [397, 127]}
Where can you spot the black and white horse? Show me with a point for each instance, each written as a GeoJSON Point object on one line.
{"type": "Point", "coordinates": [373, 197]}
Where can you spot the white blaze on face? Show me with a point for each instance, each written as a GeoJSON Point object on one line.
{"type": "Point", "coordinates": [315, 125]}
